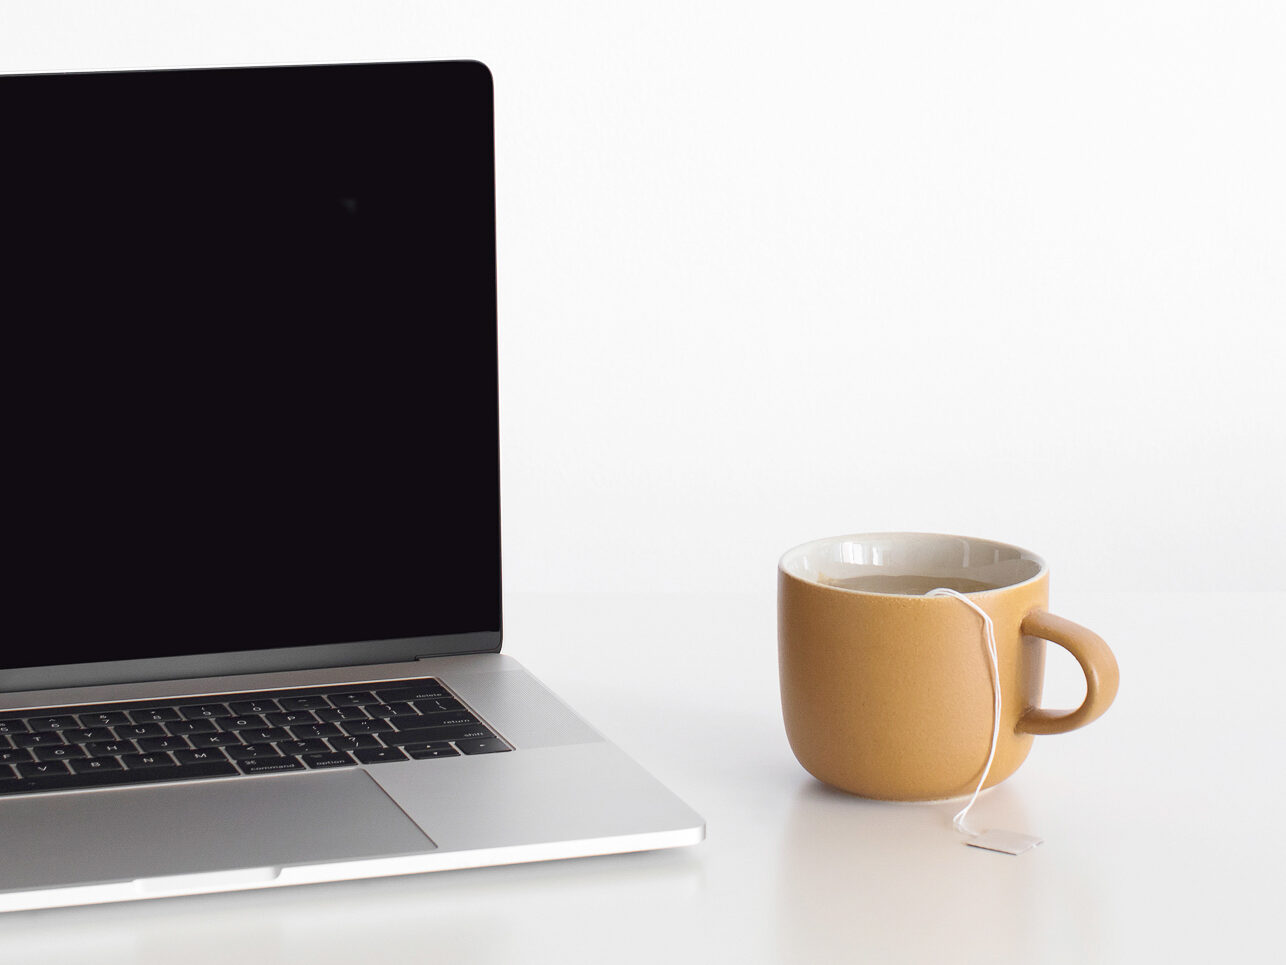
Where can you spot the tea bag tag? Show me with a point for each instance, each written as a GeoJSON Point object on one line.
{"type": "Point", "coordinates": [1006, 842]}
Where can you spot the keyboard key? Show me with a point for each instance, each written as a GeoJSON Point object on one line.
{"type": "Point", "coordinates": [200, 757]}
{"type": "Point", "coordinates": [140, 762]}
{"type": "Point", "coordinates": [456, 733]}
{"type": "Point", "coordinates": [198, 711]}
{"type": "Point", "coordinates": [13, 725]}
{"type": "Point", "coordinates": [181, 728]}
{"type": "Point", "coordinates": [353, 698]}
{"type": "Point", "coordinates": [413, 691]}
{"type": "Point", "coordinates": [442, 720]}
{"type": "Point", "coordinates": [136, 731]}
{"type": "Point", "coordinates": [405, 721]}
{"type": "Point", "coordinates": [302, 703]}
{"type": "Point", "coordinates": [60, 782]}
{"type": "Point", "coordinates": [93, 765]}
{"type": "Point", "coordinates": [107, 718]}
{"type": "Point", "coordinates": [58, 723]}
{"type": "Point", "coordinates": [42, 739]}
{"type": "Point", "coordinates": [299, 748]}
{"type": "Point", "coordinates": [355, 727]}
{"type": "Point", "coordinates": [390, 710]}
{"type": "Point", "coordinates": [260, 766]}
{"type": "Point", "coordinates": [247, 752]}
{"type": "Point", "coordinates": [380, 755]}
{"type": "Point", "coordinates": [153, 715]}
{"type": "Point", "coordinates": [307, 731]}
{"type": "Point", "coordinates": [87, 735]}
{"type": "Point", "coordinates": [64, 752]}
{"type": "Point", "coordinates": [222, 739]}
{"type": "Point", "coordinates": [334, 714]}
{"type": "Point", "coordinates": [7, 773]}
{"type": "Point", "coordinates": [334, 759]}
{"type": "Point", "coordinates": [289, 718]}
{"type": "Point", "coordinates": [437, 706]}
{"type": "Point", "coordinates": [354, 743]}
{"type": "Point", "coordinates": [264, 735]}
{"type": "Point", "coordinates": [240, 707]}
{"type": "Point", "coordinates": [490, 745]}
{"type": "Point", "coordinates": [243, 722]}
{"type": "Point", "coordinates": [150, 744]}
{"type": "Point", "coordinates": [424, 751]}
{"type": "Point", "coordinates": [112, 748]}
{"type": "Point", "coordinates": [18, 755]}
{"type": "Point", "coordinates": [43, 769]}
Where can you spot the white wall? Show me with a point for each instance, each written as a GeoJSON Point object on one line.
{"type": "Point", "coordinates": [775, 271]}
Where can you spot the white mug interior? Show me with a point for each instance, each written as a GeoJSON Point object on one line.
{"type": "Point", "coordinates": [901, 563]}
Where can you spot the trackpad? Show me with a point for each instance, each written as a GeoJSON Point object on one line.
{"type": "Point", "coordinates": [206, 826]}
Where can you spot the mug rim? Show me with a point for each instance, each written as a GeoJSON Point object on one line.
{"type": "Point", "coordinates": [1042, 566]}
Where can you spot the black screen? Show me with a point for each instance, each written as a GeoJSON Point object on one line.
{"type": "Point", "coordinates": [249, 356]}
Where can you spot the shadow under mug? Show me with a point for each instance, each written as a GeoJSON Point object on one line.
{"type": "Point", "coordinates": [887, 693]}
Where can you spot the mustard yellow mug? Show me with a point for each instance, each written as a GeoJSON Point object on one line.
{"type": "Point", "coordinates": [887, 693]}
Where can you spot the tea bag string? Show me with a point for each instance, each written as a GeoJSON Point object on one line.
{"type": "Point", "coordinates": [958, 822]}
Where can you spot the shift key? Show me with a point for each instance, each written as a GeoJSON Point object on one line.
{"type": "Point", "coordinates": [423, 734]}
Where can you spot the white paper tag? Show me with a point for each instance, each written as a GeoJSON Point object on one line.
{"type": "Point", "coordinates": [1007, 842]}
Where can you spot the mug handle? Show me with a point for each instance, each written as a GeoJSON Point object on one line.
{"type": "Point", "coordinates": [1102, 676]}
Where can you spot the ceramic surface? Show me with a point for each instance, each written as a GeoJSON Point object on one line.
{"type": "Point", "coordinates": [889, 695]}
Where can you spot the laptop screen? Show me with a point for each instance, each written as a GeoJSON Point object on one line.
{"type": "Point", "coordinates": [249, 355]}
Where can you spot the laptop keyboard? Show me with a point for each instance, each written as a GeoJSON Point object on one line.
{"type": "Point", "coordinates": [187, 738]}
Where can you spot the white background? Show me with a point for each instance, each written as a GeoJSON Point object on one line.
{"type": "Point", "coordinates": [770, 272]}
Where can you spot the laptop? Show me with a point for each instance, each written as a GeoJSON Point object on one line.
{"type": "Point", "coordinates": [252, 617]}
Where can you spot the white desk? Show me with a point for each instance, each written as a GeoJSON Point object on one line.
{"type": "Point", "coordinates": [1163, 821]}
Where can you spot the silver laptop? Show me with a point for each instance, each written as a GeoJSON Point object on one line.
{"type": "Point", "coordinates": [252, 617]}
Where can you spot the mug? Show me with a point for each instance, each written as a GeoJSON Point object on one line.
{"type": "Point", "coordinates": [887, 693]}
